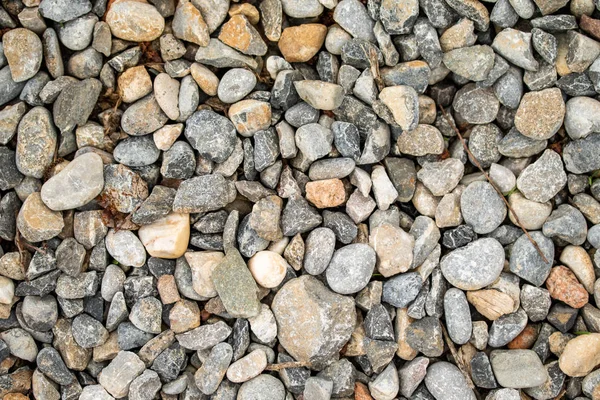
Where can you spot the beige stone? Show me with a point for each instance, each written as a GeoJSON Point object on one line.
{"type": "Point", "coordinates": [239, 33]}
{"type": "Point", "coordinates": [166, 136]}
{"type": "Point", "coordinates": [189, 25]}
{"type": "Point", "coordinates": [579, 261]}
{"type": "Point", "coordinates": [134, 84]}
{"type": "Point", "coordinates": [247, 367]}
{"type": "Point", "coordinates": [403, 102]}
{"type": "Point", "coordinates": [23, 51]}
{"type": "Point", "coordinates": [447, 213]}
{"type": "Point", "coordinates": [581, 355]}
{"type": "Point", "coordinates": [402, 322]}
{"type": "Point", "coordinates": [184, 316]}
{"type": "Point", "coordinates": [247, 10]}
{"type": "Point", "coordinates": [326, 193]}
{"type": "Point", "coordinates": [135, 20]}
{"type": "Point", "coordinates": [540, 114]}
{"type": "Point", "coordinates": [202, 264]}
{"type": "Point", "coordinates": [458, 35]}
{"type": "Point", "coordinates": [7, 290]}
{"type": "Point", "coordinates": [205, 78]}
{"type": "Point", "coordinates": [250, 116]}
{"type": "Point", "coordinates": [37, 222]}
{"type": "Point", "coordinates": [491, 303]}
{"type": "Point", "coordinates": [531, 214]}
{"type": "Point", "coordinates": [268, 268]}
{"type": "Point", "coordinates": [394, 248]}
{"type": "Point", "coordinates": [300, 43]}
{"type": "Point", "coordinates": [168, 237]}
{"type": "Point", "coordinates": [167, 289]}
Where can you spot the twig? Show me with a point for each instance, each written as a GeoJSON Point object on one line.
{"type": "Point", "coordinates": [22, 243]}
{"type": "Point", "coordinates": [476, 162]}
{"type": "Point", "coordinates": [459, 361]}
{"type": "Point", "coordinates": [285, 365]}
{"type": "Point", "coordinates": [372, 56]}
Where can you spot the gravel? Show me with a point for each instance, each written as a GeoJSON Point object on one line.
{"type": "Point", "coordinates": [193, 192]}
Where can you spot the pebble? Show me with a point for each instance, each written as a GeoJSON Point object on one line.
{"type": "Point", "coordinates": [23, 52]}
{"type": "Point", "coordinates": [445, 381]}
{"type": "Point", "coordinates": [351, 268]}
{"type": "Point", "coordinates": [548, 103]}
{"type": "Point", "coordinates": [126, 248]}
{"type": "Point", "coordinates": [464, 267]}
{"type": "Point", "coordinates": [247, 367]}
{"type": "Point", "coordinates": [235, 85]}
{"type": "Point", "coordinates": [262, 387]}
{"type": "Point", "coordinates": [118, 375]}
{"type": "Point", "coordinates": [563, 285]}
{"type": "Point", "coordinates": [332, 318]}
{"type": "Point", "coordinates": [403, 103]}
{"type": "Point", "coordinates": [518, 368]}
{"type": "Point", "coordinates": [301, 43]}
{"type": "Point", "coordinates": [473, 62]}
{"type": "Point", "coordinates": [543, 179]}
{"type": "Point", "coordinates": [515, 46]}
{"type": "Point", "coordinates": [135, 21]}
{"type": "Point", "coordinates": [189, 25]}
{"type": "Point", "coordinates": [268, 268]}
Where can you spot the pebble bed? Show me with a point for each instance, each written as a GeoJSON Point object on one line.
{"type": "Point", "coordinates": [299, 199]}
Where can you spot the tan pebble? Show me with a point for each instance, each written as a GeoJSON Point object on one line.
{"type": "Point", "coordinates": [268, 268]}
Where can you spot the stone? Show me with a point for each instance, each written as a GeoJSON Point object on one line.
{"type": "Point", "coordinates": [444, 378]}
{"type": "Point", "coordinates": [403, 103]}
{"type": "Point", "coordinates": [476, 105]}
{"type": "Point", "coordinates": [332, 319]}
{"type": "Point", "coordinates": [203, 193]}
{"type": "Point", "coordinates": [507, 327]}
{"type": "Point", "coordinates": [239, 33]}
{"type": "Point", "coordinates": [352, 16]}
{"type": "Point", "coordinates": [535, 301]}
{"type": "Point", "coordinates": [134, 84]}
{"type": "Point", "coordinates": [474, 63]}
{"type": "Point", "coordinates": [36, 143]}
{"type": "Point", "coordinates": [326, 193]}
{"type": "Point", "coordinates": [394, 248]}
{"type": "Point", "coordinates": [301, 43]}
{"type": "Point", "coordinates": [250, 116]}
{"type": "Point", "coordinates": [247, 367]}
{"type": "Point", "coordinates": [120, 373]}
{"type": "Point", "coordinates": [483, 218]}
{"type": "Point", "coordinates": [23, 51]}
{"type": "Point", "coordinates": [51, 364]}
{"type": "Point", "coordinates": [10, 117]}
{"type": "Point", "coordinates": [458, 316]}
{"type": "Point", "coordinates": [543, 179]}
{"type": "Point", "coordinates": [563, 285]}
{"type": "Point", "coordinates": [235, 85]}
{"type": "Point", "coordinates": [267, 268]}
{"type": "Point", "coordinates": [135, 21]}
{"type": "Point", "coordinates": [566, 223]}
{"type": "Point", "coordinates": [386, 385]}
{"type": "Point", "coordinates": [235, 286]}
{"type": "Point", "coordinates": [83, 177]}
{"type": "Point", "coordinates": [75, 103]}
{"type": "Point", "coordinates": [166, 237]}
{"type": "Point", "coordinates": [20, 343]}
{"type": "Point", "coordinates": [36, 222]}
{"type": "Point", "coordinates": [262, 387]}
{"type": "Point", "coordinates": [423, 140]}
{"type": "Point", "coordinates": [145, 386]}
{"type": "Point", "coordinates": [88, 332]}
{"type": "Point", "coordinates": [464, 267]}
{"type": "Point", "coordinates": [126, 248]}
{"type": "Point", "coordinates": [518, 368]}
{"type": "Point", "coordinates": [189, 25]}
{"type": "Point", "coordinates": [351, 268]}
{"type": "Point", "coordinates": [320, 95]}
{"type": "Point", "coordinates": [547, 104]}
{"type": "Point", "coordinates": [515, 46]}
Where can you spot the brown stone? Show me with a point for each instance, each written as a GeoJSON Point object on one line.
{"type": "Point", "coordinates": [540, 114]}
{"type": "Point", "coordinates": [37, 222]}
{"type": "Point", "coordinates": [301, 43]}
{"type": "Point", "coordinates": [184, 315]}
{"type": "Point", "coordinates": [17, 382]}
{"type": "Point", "coordinates": [247, 10]}
{"type": "Point", "coordinates": [550, 6]}
{"type": "Point", "coordinates": [75, 356]}
{"type": "Point", "coordinates": [526, 338]}
{"type": "Point", "coordinates": [107, 350]}
{"type": "Point", "coordinates": [403, 320]}
{"type": "Point", "coordinates": [155, 346]}
{"type": "Point", "coordinates": [250, 116]}
{"type": "Point", "coordinates": [361, 392]}
{"type": "Point", "coordinates": [326, 193]}
{"type": "Point", "coordinates": [15, 396]}
{"type": "Point", "coordinates": [590, 25]}
{"type": "Point", "coordinates": [189, 25]}
{"type": "Point", "coordinates": [134, 20]}
{"type": "Point", "coordinates": [491, 303]}
{"type": "Point", "coordinates": [558, 341]}
{"type": "Point", "coordinates": [294, 252]}
{"type": "Point", "coordinates": [167, 289]}
{"type": "Point", "coordinates": [205, 78]}
{"type": "Point", "coordinates": [134, 84]}
{"type": "Point", "coordinates": [239, 33]}
{"type": "Point", "coordinates": [564, 286]}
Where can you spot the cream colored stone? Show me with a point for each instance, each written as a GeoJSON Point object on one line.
{"type": "Point", "coordinates": [581, 355]}
{"type": "Point", "coordinates": [531, 214]}
{"type": "Point", "coordinates": [202, 264]}
{"type": "Point", "coordinates": [491, 303]}
{"type": "Point", "coordinates": [580, 262]}
{"type": "Point", "coordinates": [135, 20]}
{"type": "Point", "coordinates": [37, 222]}
{"type": "Point", "coordinates": [268, 268]}
{"type": "Point", "coordinates": [205, 78]}
{"type": "Point", "coordinates": [7, 290]}
{"type": "Point", "coordinates": [189, 25]}
{"type": "Point", "coordinates": [134, 84]}
{"type": "Point", "coordinates": [300, 43]}
{"type": "Point", "coordinates": [403, 102]}
{"type": "Point", "coordinates": [168, 237]}
{"type": "Point", "coordinates": [166, 136]}
{"type": "Point", "coordinates": [247, 367]}
{"type": "Point", "coordinates": [394, 248]}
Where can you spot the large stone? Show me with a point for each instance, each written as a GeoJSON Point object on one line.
{"type": "Point", "coordinates": [518, 368]}
{"type": "Point", "coordinates": [135, 21]}
{"type": "Point", "coordinates": [474, 266]}
{"type": "Point", "coordinates": [83, 179]}
{"type": "Point", "coordinates": [313, 322]}
{"type": "Point", "coordinates": [204, 193]}
{"type": "Point", "coordinates": [23, 51]}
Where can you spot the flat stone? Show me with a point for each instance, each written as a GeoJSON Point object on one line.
{"type": "Point", "coordinates": [332, 320]}
{"type": "Point", "coordinates": [518, 368]}
{"type": "Point", "coordinates": [351, 268]}
{"type": "Point", "coordinates": [546, 104]}
{"type": "Point", "coordinates": [444, 378]}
